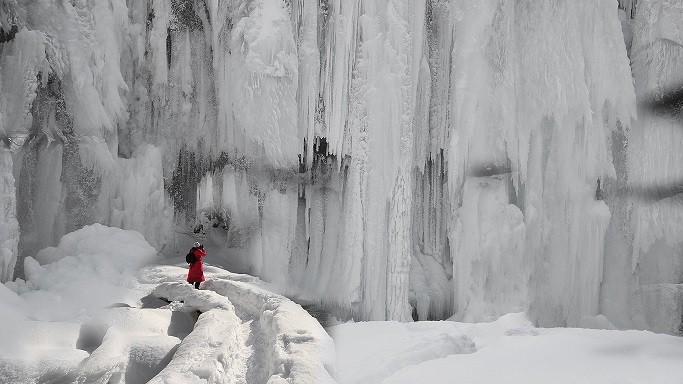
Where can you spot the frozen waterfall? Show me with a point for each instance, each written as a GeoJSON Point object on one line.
{"type": "Point", "coordinates": [387, 159]}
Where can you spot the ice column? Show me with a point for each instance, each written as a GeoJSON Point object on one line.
{"type": "Point", "coordinates": [649, 291]}
{"type": "Point", "coordinates": [9, 227]}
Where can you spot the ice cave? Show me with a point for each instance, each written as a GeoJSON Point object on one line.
{"type": "Point", "coordinates": [435, 184]}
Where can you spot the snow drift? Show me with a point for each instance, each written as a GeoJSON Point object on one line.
{"type": "Point", "coordinates": [74, 282]}
{"type": "Point", "coordinates": [89, 267]}
{"type": "Point", "coordinates": [509, 349]}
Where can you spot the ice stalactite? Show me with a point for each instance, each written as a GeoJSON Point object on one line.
{"type": "Point", "coordinates": [338, 40]}
{"type": "Point", "coordinates": [432, 266]}
{"type": "Point", "coordinates": [119, 203]}
{"type": "Point", "coordinates": [368, 111]}
{"type": "Point", "coordinates": [306, 27]}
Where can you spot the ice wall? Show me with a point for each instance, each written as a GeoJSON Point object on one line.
{"type": "Point", "coordinates": [340, 221]}
{"type": "Point", "coordinates": [643, 288]}
{"type": "Point", "coordinates": [386, 159]}
{"type": "Point", "coordinates": [62, 85]}
{"type": "Point", "coordinates": [491, 270]}
{"type": "Point", "coordinates": [538, 97]}
{"type": "Point", "coordinates": [9, 227]}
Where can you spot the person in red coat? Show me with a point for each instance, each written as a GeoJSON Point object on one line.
{"type": "Point", "coordinates": [196, 273]}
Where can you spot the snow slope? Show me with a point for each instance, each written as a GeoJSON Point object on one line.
{"type": "Point", "coordinates": [508, 350]}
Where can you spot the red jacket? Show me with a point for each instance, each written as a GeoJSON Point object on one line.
{"type": "Point", "coordinates": [196, 272]}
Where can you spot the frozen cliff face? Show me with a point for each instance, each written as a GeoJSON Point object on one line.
{"type": "Point", "coordinates": [644, 287]}
{"type": "Point", "coordinates": [388, 159]}
{"type": "Point", "coordinates": [62, 82]}
{"type": "Point", "coordinates": [549, 113]}
{"type": "Point", "coordinates": [9, 227]}
{"type": "Point", "coordinates": [490, 271]}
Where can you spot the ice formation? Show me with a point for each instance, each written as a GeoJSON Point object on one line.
{"type": "Point", "coordinates": [9, 227]}
{"type": "Point", "coordinates": [387, 159]}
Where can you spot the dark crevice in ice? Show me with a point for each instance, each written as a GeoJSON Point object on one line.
{"type": "Point", "coordinates": [185, 15]}
{"type": "Point", "coordinates": [630, 7]}
{"type": "Point", "coordinates": [181, 325]}
{"type": "Point", "coordinates": [142, 371]}
{"type": "Point", "coordinates": [668, 103]}
{"type": "Point", "coordinates": [169, 48]}
{"type": "Point", "coordinates": [151, 301]}
{"type": "Point", "coordinates": [599, 193]}
{"type": "Point", "coordinates": [8, 35]}
{"type": "Point", "coordinates": [90, 336]}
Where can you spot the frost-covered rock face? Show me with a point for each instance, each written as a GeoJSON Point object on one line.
{"type": "Point", "coordinates": [391, 159]}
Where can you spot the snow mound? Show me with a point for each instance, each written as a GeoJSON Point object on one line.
{"type": "Point", "coordinates": [202, 301]}
{"type": "Point", "coordinates": [42, 338]}
{"type": "Point", "coordinates": [99, 243]}
{"type": "Point", "coordinates": [392, 346]}
{"type": "Point", "coordinates": [42, 366]}
{"type": "Point", "coordinates": [90, 268]}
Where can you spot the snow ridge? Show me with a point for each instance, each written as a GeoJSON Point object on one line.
{"type": "Point", "coordinates": [245, 333]}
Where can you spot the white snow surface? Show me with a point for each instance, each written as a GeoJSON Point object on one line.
{"type": "Point", "coordinates": [508, 350]}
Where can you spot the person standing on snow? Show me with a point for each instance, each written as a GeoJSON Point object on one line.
{"type": "Point", "coordinates": [196, 273]}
